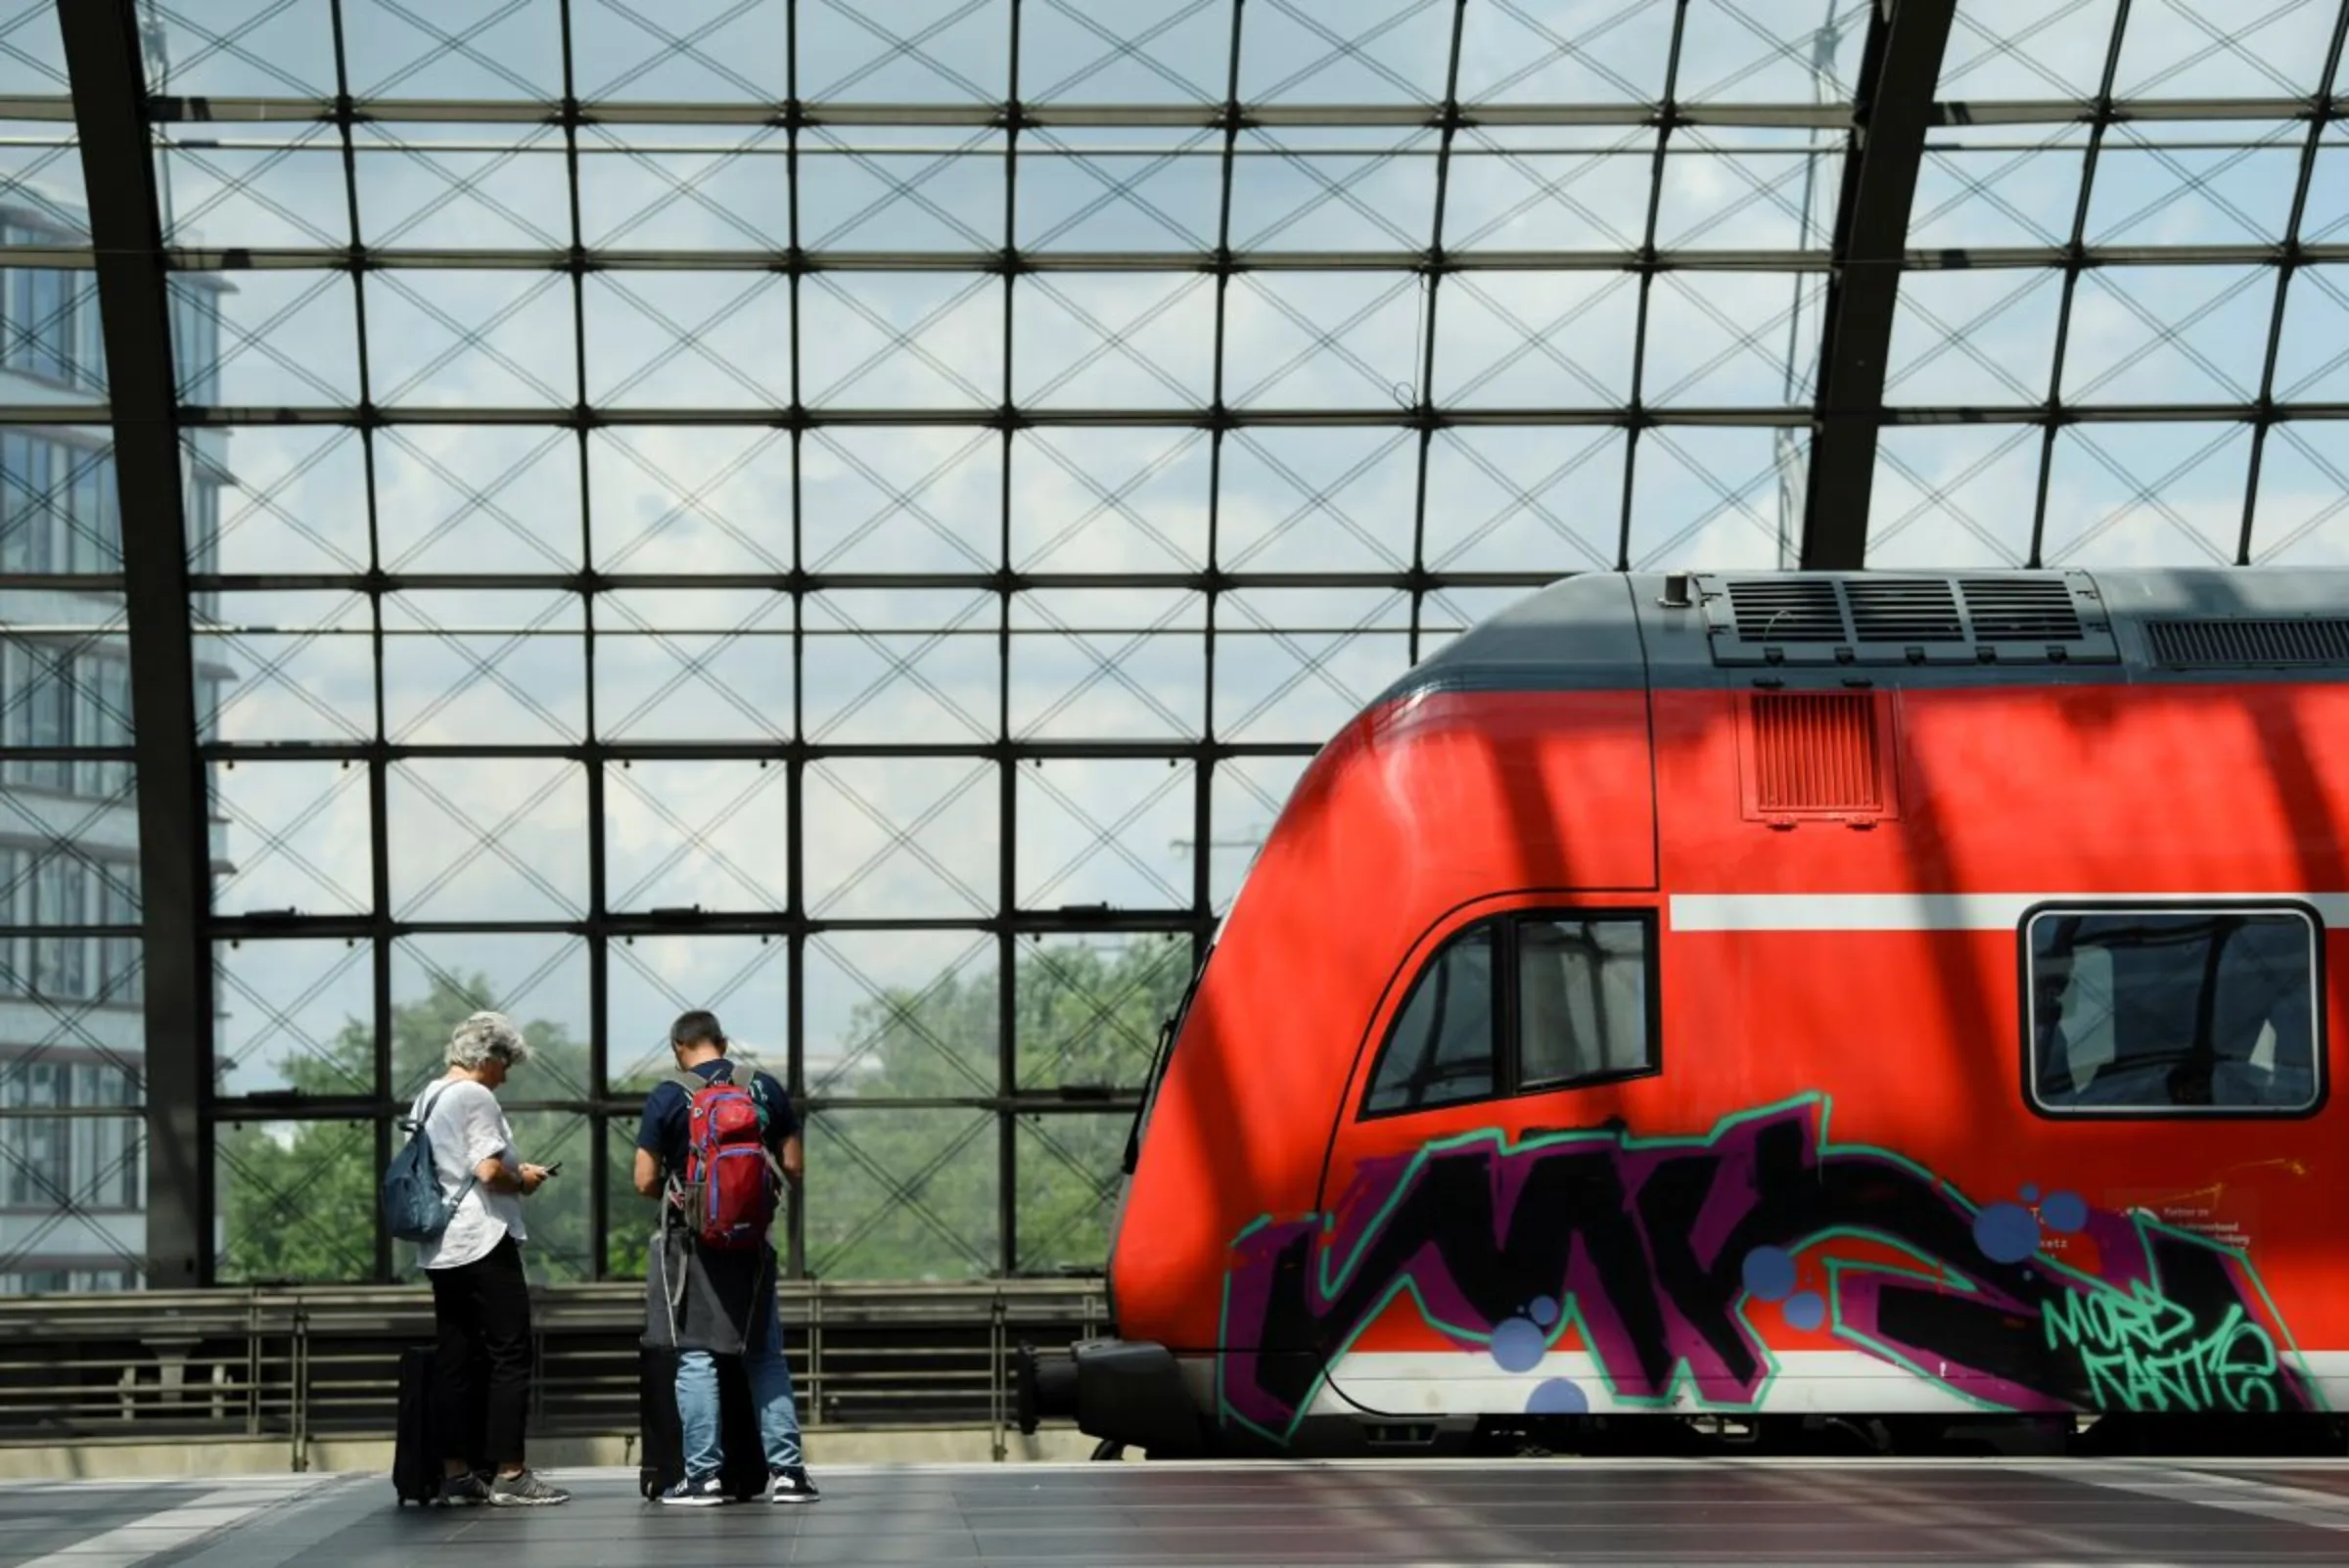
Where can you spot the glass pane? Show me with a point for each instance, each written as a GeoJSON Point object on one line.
{"type": "Point", "coordinates": [300, 836]}
{"type": "Point", "coordinates": [488, 839]}
{"type": "Point", "coordinates": [911, 52]}
{"type": "Point", "coordinates": [713, 835]}
{"type": "Point", "coordinates": [462, 187]}
{"type": "Point", "coordinates": [1582, 1000]}
{"type": "Point", "coordinates": [1551, 55]}
{"type": "Point", "coordinates": [1105, 664]}
{"type": "Point", "coordinates": [539, 981]}
{"type": "Point", "coordinates": [2174, 1010]}
{"type": "Point", "coordinates": [1088, 1012]}
{"type": "Point", "coordinates": [298, 1201]}
{"type": "Point", "coordinates": [1106, 831]}
{"type": "Point", "coordinates": [396, 50]}
{"type": "Point", "coordinates": [1296, 664]}
{"type": "Point", "coordinates": [1440, 1050]}
{"type": "Point", "coordinates": [75, 1186]}
{"type": "Point", "coordinates": [1342, 51]}
{"type": "Point", "coordinates": [899, 837]}
{"type": "Point", "coordinates": [1126, 51]}
{"type": "Point", "coordinates": [904, 1015]}
{"type": "Point", "coordinates": [883, 664]}
{"type": "Point", "coordinates": [295, 1015]}
{"type": "Point", "coordinates": [1068, 1189]}
{"type": "Point", "coordinates": [59, 512]}
{"type": "Point", "coordinates": [744, 980]}
{"type": "Point", "coordinates": [902, 1194]}
{"type": "Point", "coordinates": [286, 667]}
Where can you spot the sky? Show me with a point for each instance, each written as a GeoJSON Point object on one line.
{"type": "Point", "coordinates": [1556, 330]}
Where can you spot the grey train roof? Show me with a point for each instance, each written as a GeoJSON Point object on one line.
{"type": "Point", "coordinates": [1602, 631]}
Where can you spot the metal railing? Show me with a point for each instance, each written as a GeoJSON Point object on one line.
{"type": "Point", "coordinates": [300, 1365]}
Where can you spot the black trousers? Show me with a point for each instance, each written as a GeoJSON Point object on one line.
{"type": "Point", "coordinates": [482, 1375]}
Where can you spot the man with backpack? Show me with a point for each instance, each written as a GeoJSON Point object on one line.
{"type": "Point", "coordinates": [717, 1146]}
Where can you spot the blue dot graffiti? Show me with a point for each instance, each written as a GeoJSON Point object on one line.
{"type": "Point", "coordinates": [2064, 1211]}
{"type": "Point", "coordinates": [2006, 1232]}
{"type": "Point", "coordinates": [1768, 1272]}
{"type": "Point", "coordinates": [1518, 1344]}
{"type": "Point", "coordinates": [1543, 1311]}
{"type": "Point", "coordinates": [1806, 1312]}
{"type": "Point", "coordinates": [1557, 1396]}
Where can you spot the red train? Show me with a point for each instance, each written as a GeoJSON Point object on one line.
{"type": "Point", "coordinates": [1900, 996]}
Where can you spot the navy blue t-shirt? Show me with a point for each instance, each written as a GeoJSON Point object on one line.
{"type": "Point", "coordinates": [668, 1116]}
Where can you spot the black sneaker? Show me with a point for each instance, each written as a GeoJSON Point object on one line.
{"type": "Point", "coordinates": [790, 1485]}
{"type": "Point", "coordinates": [706, 1492]}
{"type": "Point", "coordinates": [525, 1490]}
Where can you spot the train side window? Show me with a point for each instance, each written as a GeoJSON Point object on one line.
{"type": "Point", "coordinates": [2174, 1011]}
{"type": "Point", "coordinates": [1582, 1001]}
{"type": "Point", "coordinates": [1440, 1048]}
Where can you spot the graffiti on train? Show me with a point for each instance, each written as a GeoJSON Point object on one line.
{"type": "Point", "coordinates": [2141, 1351]}
{"type": "Point", "coordinates": [1659, 1253]}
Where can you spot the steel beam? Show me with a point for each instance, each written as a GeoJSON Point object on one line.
{"type": "Point", "coordinates": [1899, 68]}
{"type": "Point", "coordinates": [104, 62]}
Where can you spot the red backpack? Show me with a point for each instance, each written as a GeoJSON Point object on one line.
{"type": "Point", "coordinates": [732, 1186]}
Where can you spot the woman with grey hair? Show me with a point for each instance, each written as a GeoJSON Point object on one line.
{"type": "Point", "coordinates": [480, 1301]}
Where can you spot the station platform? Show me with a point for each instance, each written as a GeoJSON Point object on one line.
{"type": "Point", "coordinates": [1116, 1516]}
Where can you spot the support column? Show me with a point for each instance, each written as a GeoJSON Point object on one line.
{"type": "Point", "coordinates": [104, 62]}
{"type": "Point", "coordinates": [1899, 68]}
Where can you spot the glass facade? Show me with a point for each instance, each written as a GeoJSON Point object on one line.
{"type": "Point", "coordinates": [856, 517]}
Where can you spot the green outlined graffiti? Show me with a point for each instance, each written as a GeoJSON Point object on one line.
{"type": "Point", "coordinates": [2144, 1352]}
{"type": "Point", "coordinates": [1655, 1253]}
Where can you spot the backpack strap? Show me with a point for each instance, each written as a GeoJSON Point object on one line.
{"type": "Point", "coordinates": [424, 1114]}
{"type": "Point", "coordinates": [672, 1181]}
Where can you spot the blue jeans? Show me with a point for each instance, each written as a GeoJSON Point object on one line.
{"type": "Point", "coordinates": [771, 1392]}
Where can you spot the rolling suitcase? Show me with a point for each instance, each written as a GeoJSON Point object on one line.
{"type": "Point", "coordinates": [415, 1467]}
{"type": "Point", "coordinates": [663, 1432]}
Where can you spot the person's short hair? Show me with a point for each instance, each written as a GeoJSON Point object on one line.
{"type": "Point", "coordinates": [487, 1037]}
{"type": "Point", "coordinates": [697, 1027]}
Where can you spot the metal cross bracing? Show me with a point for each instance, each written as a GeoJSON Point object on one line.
{"type": "Point", "coordinates": [796, 506]}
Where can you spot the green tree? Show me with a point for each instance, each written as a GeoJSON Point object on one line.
{"type": "Point", "coordinates": [298, 1199]}
{"type": "Point", "coordinates": [913, 1194]}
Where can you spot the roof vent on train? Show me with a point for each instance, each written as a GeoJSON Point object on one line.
{"type": "Point", "coordinates": [2227, 643]}
{"type": "Point", "coordinates": [1909, 618]}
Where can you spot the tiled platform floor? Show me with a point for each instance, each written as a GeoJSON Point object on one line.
{"type": "Point", "coordinates": [1127, 1515]}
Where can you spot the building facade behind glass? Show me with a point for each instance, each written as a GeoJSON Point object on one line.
{"type": "Point", "coordinates": [72, 1184]}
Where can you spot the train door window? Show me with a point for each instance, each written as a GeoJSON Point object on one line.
{"type": "Point", "coordinates": [1582, 1001]}
{"type": "Point", "coordinates": [1440, 1048]}
{"type": "Point", "coordinates": [2174, 1011]}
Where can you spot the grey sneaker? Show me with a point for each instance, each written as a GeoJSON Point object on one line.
{"type": "Point", "coordinates": [463, 1490]}
{"type": "Point", "coordinates": [525, 1490]}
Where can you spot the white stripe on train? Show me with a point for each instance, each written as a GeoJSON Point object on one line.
{"type": "Point", "coordinates": [1939, 911]}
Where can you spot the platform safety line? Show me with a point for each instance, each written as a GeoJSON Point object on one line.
{"type": "Point", "coordinates": [2321, 1510]}
{"type": "Point", "coordinates": [155, 1533]}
